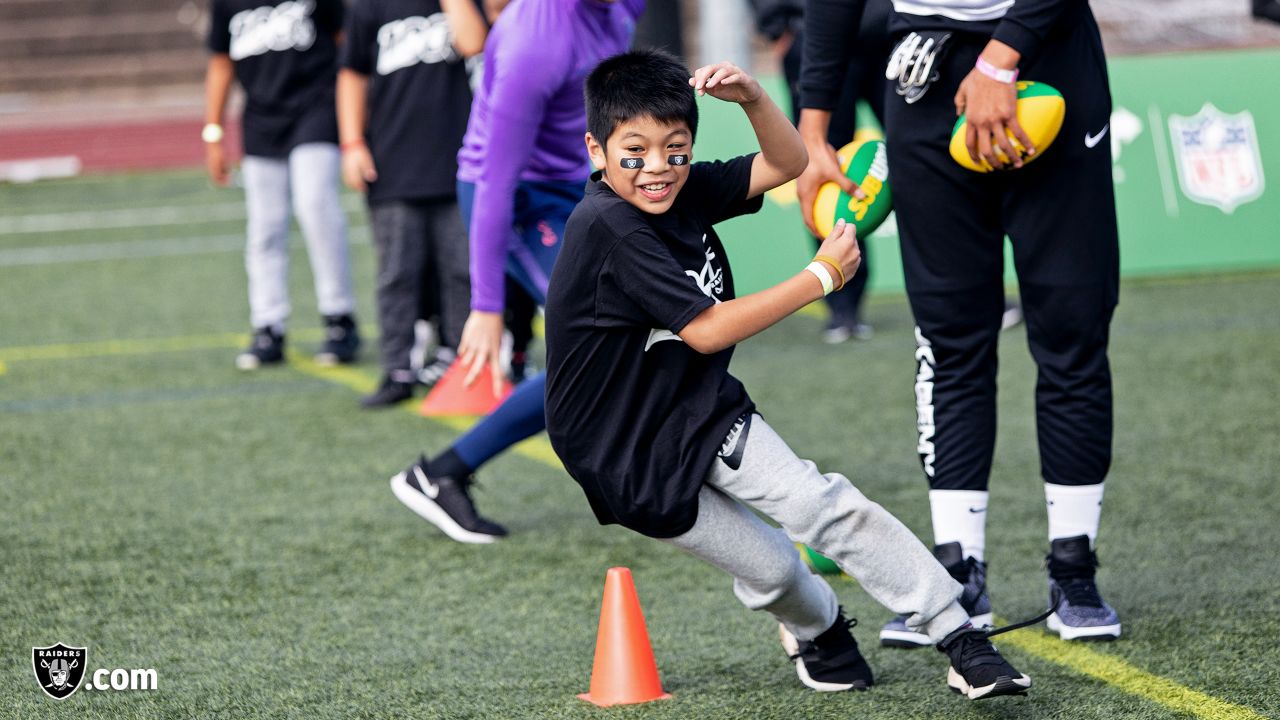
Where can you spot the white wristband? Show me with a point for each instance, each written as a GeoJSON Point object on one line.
{"type": "Point", "coordinates": [1008, 77]}
{"type": "Point", "coordinates": [824, 276]}
{"type": "Point", "coordinates": [211, 133]}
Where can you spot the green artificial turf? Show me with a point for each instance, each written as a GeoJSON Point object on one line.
{"type": "Point", "coordinates": [235, 531]}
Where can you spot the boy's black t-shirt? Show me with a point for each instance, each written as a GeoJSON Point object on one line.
{"type": "Point", "coordinates": [286, 58]}
{"type": "Point", "coordinates": [419, 96]}
{"type": "Point", "coordinates": [636, 415]}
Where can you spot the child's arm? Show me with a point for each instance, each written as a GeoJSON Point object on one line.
{"type": "Point", "coordinates": [727, 324]}
{"type": "Point", "coordinates": [782, 155]}
{"type": "Point", "coordinates": [358, 168]}
{"type": "Point", "coordinates": [217, 84]}
{"type": "Point", "coordinates": [467, 25]}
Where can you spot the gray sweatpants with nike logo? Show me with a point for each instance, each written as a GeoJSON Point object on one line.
{"type": "Point", "coordinates": [827, 513]}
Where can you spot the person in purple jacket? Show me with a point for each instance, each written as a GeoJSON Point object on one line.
{"type": "Point", "coordinates": [521, 171]}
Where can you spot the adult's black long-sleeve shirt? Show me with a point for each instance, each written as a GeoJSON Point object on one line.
{"type": "Point", "coordinates": [830, 27]}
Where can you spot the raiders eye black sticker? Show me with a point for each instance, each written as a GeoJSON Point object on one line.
{"type": "Point", "coordinates": [632, 163]}
{"type": "Point", "coordinates": [678, 159]}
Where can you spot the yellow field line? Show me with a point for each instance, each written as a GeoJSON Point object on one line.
{"type": "Point", "coordinates": [137, 346]}
{"type": "Point", "coordinates": [1078, 658]}
{"type": "Point", "coordinates": [1123, 676]}
{"type": "Point", "coordinates": [74, 351]}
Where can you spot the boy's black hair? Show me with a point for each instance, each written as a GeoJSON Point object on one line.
{"type": "Point", "coordinates": [637, 84]}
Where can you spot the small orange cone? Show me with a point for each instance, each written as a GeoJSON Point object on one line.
{"type": "Point", "coordinates": [450, 397]}
{"type": "Point", "coordinates": [624, 672]}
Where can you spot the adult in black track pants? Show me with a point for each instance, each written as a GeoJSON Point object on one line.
{"type": "Point", "coordinates": [782, 22]}
{"type": "Point", "coordinates": [1059, 213]}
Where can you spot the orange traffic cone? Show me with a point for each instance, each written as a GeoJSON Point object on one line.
{"type": "Point", "coordinates": [450, 397]}
{"type": "Point", "coordinates": [624, 672]}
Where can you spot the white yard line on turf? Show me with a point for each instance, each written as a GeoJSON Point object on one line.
{"type": "Point", "coordinates": [134, 217]}
{"type": "Point", "coordinates": [136, 249]}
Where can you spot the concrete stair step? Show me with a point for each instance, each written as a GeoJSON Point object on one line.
{"type": "Point", "coordinates": [92, 35]}
{"type": "Point", "coordinates": [11, 10]}
{"type": "Point", "coordinates": [161, 67]}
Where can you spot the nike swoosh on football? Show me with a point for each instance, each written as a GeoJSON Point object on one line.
{"type": "Point", "coordinates": [1092, 140]}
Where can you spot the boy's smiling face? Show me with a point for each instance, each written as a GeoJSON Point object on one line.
{"type": "Point", "coordinates": [653, 187]}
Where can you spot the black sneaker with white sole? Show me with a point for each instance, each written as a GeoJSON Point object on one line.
{"type": "Point", "coordinates": [341, 340]}
{"type": "Point", "coordinates": [446, 503]}
{"type": "Point", "coordinates": [971, 574]}
{"type": "Point", "coordinates": [978, 670]}
{"type": "Point", "coordinates": [830, 662]}
{"type": "Point", "coordinates": [265, 348]}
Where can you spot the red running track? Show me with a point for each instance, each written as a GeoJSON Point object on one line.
{"type": "Point", "coordinates": [143, 145]}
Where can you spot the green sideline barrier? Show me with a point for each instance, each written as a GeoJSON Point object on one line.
{"type": "Point", "coordinates": [1194, 136]}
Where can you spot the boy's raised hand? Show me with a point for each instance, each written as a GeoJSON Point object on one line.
{"type": "Point", "coordinates": [726, 81]}
{"type": "Point", "coordinates": [842, 246]}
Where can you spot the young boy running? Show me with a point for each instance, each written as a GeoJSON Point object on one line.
{"type": "Point", "coordinates": [641, 323]}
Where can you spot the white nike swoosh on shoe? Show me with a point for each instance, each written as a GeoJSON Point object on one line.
{"type": "Point", "coordinates": [428, 510]}
{"type": "Point", "coordinates": [429, 488]}
{"type": "Point", "coordinates": [1091, 141]}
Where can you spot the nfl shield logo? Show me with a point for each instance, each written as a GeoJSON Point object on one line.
{"type": "Point", "coordinates": [59, 669]}
{"type": "Point", "coordinates": [1218, 158]}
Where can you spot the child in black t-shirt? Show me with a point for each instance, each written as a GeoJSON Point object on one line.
{"type": "Point", "coordinates": [284, 54]}
{"type": "Point", "coordinates": [641, 322]}
{"type": "Point", "coordinates": [403, 100]}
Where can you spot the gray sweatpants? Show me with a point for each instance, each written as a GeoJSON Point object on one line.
{"type": "Point", "coordinates": [422, 249]}
{"type": "Point", "coordinates": [827, 513]}
{"type": "Point", "coordinates": [307, 182]}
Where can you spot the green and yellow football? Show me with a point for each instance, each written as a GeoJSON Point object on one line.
{"type": "Point", "coordinates": [866, 163]}
{"type": "Point", "coordinates": [1040, 113]}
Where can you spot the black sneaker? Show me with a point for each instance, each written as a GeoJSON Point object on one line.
{"type": "Point", "coordinates": [830, 662]}
{"type": "Point", "coordinates": [266, 348]}
{"type": "Point", "coordinates": [977, 669]}
{"type": "Point", "coordinates": [1081, 613]}
{"type": "Point", "coordinates": [341, 340]}
{"type": "Point", "coordinates": [431, 373]}
{"type": "Point", "coordinates": [968, 572]}
{"type": "Point", "coordinates": [390, 392]}
{"type": "Point", "coordinates": [445, 503]}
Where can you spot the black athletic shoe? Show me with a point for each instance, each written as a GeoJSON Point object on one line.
{"type": "Point", "coordinates": [1081, 612]}
{"type": "Point", "coordinates": [445, 503]}
{"type": "Point", "coordinates": [977, 669]}
{"type": "Point", "coordinates": [390, 392]}
{"type": "Point", "coordinates": [266, 348]}
{"type": "Point", "coordinates": [341, 340]}
{"type": "Point", "coordinates": [968, 572]}
{"type": "Point", "coordinates": [830, 662]}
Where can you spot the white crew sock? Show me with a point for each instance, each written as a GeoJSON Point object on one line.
{"type": "Point", "coordinates": [1073, 510]}
{"type": "Point", "coordinates": [960, 516]}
